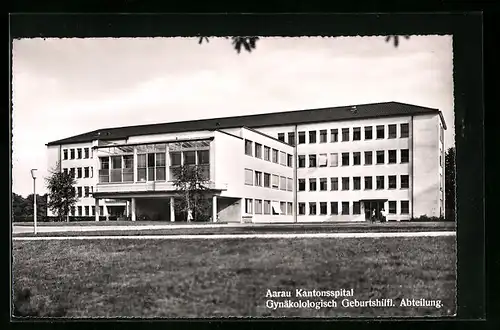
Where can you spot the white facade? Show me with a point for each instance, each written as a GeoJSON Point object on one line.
{"type": "Point", "coordinates": [259, 175]}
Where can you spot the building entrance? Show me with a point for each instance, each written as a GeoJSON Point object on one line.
{"type": "Point", "coordinates": [373, 210]}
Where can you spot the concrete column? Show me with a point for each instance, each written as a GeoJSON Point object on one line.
{"type": "Point", "coordinates": [172, 209]}
{"type": "Point", "coordinates": [127, 209]}
{"type": "Point", "coordinates": [214, 208]}
{"type": "Point", "coordinates": [106, 213]}
{"type": "Point", "coordinates": [135, 164]}
{"type": "Point", "coordinates": [96, 209]}
{"type": "Point", "coordinates": [133, 209]}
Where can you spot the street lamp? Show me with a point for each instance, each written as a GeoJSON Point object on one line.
{"type": "Point", "coordinates": [33, 175]}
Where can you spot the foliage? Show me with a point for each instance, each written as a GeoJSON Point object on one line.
{"type": "Point", "coordinates": [62, 195]}
{"type": "Point", "coordinates": [250, 43]}
{"type": "Point", "coordinates": [23, 207]}
{"type": "Point", "coordinates": [449, 184]}
{"type": "Point", "coordinates": [426, 218]}
{"type": "Point", "coordinates": [191, 184]}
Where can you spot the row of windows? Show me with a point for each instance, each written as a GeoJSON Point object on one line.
{"type": "Point", "coordinates": [259, 206]}
{"type": "Point", "coordinates": [85, 210]}
{"type": "Point", "coordinates": [322, 135]}
{"type": "Point", "coordinates": [322, 209]}
{"type": "Point", "coordinates": [321, 184]}
{"type": "Point", "coordinates": [84, 191]}
{"type": "Point", "coordinates": [322, 160]}
{"type": "Point", "coordinates": [80, 172]}
{"type": "Point", "coordinates": [257, 150]}
{"type": "Point", "coordinates": [267, 180]}
{"type": "Point", "coordinates": [78, 153]}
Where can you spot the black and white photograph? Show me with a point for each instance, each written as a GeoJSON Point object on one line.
{"type": "Point", "coordinates": [222, 177]}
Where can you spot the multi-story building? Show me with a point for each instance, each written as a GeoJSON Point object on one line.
{"type": "Point", "coordinates": [330, 164]}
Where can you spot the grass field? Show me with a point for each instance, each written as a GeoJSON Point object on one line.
{"type": "Point", "coordinates": [224, 278]}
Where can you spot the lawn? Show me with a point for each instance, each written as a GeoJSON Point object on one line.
{"type": "Point", "coordinates": [224, 278]}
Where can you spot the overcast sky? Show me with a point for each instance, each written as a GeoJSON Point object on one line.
{"type": "Point", "coordinates": [64, 87]}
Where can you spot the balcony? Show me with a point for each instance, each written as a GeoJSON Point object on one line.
{"type": "Point", "coordinates": [154, 186]}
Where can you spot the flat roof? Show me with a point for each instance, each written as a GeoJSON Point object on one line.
{"type": "Point", "coordinates": [362, 111]}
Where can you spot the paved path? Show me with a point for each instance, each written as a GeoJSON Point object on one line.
{"type": "Point", "coordinates": [243, 236]}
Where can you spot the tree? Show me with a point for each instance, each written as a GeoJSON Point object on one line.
{"type": "Point", "coordinates": [449, 184]}
{"type": "Point", "coordinates": [62, 195]}
{"type": "Point", "coordinates": [250, 43]}
{"type": "Point", "coordinates": [191, 184]}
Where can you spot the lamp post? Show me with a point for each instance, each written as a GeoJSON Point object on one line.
{"type": "Point", "coordinates": [33, 175]}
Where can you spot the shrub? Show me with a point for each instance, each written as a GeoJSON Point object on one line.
{"type": "Point", "coordinates": [425, 218]}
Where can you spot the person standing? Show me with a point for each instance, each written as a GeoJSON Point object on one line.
{"type": "Point", "coordinates": [384, 215]}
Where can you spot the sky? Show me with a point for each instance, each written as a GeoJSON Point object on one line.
{"type": "Point", "coordinates": [67, 86]}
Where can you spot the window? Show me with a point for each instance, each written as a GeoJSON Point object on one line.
{"type": "Point", "coordinates": [291, 138]}
{"type": "Point", "coordinates": [405, 129]}
{"type": "Point", "coordinates": [302, 137]}
{"type": "Point", "coordinates": [267, 207]}
{"type": "Point", "coordinates": [289, 160]}
{"type": "Point", "coordinates": [345, 159]}
{"type": "Point", "coordinates": [312, 160]}
{"type": "Point", "coordinates": [175, 165]}
{"type": "Point", "coordinates": [392, 156]}
{"type": "Point", "coordinates": [334, 208]}
{"type": "Point", "coordinates": [282, 183]}
{"type": "Point", "coordinates": [334, 160]}
{"type": "Point", "coordinates": [312, 184]}
{"type": "Point", "coordinates": [356, 181]}
{"type": "Point", "coordinates": [79, 153]}
{"type": "Point", "coordinates": [334, 183]}
{"type": "Point", "coordinates": [248, 205]}
{"type": "Point", "coordinates": [368, 183]}
{"type": "Point", "coordinates": [334, 135]}
{"type": "Point", "coordinates": [356, 208]}
{"type": "Point", "coordinates": [267, 180]}
{"type": "Point", "coordinates": [312, 136]}
{"type": "Point", "coordinates": [87, 210]}
{"type": "Point", "coordinates": [392, 207]}
{"type": "Point", "coordinates": [267, 153]}
{"type": "Point", "coordinates": [101, 210]}
{"type": "Point", "coordinates": [345, 134]}
{"type": "Point", "coordinates": [128, 168]}
{"type": "Point", "coordinates": [392, 182]}
{"type": "Point", "coordinates": [323, 184]}
{"type": "Point", "coordinates": [248, 177]}
{"type": "Point", "coordinates": [86, 191]}
{"type": "Point", "coordinates": [258, 150]}
{"type": "Point", "coordinates": [380, 157]}
{"type": "Point", "coordinates": [345, 208]}
{"type": "Point", "coordinates": [248, 147]}
{"type": "Point", "coordinates": [283, 208]}
{"type": "Point", "coordinates": [405, 155]}
{"type": "Point", "coordinates": [276, 181]}
{"type": "Point", "coordinates": [302, 161]}
{"type": "Point", "coordinates": [302, 208]}
{"type": "Point", "coordinates": [65, 170]}
{"type": "Point", "coordinates": [323, 160]}
{"type": "Point", "coordinates": [79, 174]}
{"type": "Point", "coordinates": [380, 131]}
{"type": "Point", "coordinates": [258, 206]}
{"type": "Point", "coordinates": [72, 153]}
{"type": "Point", "coordinates": [276, 208]}
{"type": "Point", "coordinates": [79, 191]}
{"type": "Point", "coordinates": [356, 133]}
{"type": "Point", "coordinates": [392, 131]}
{"type": "Point", "coordinates": [289, 184]}
{"type": "Point", "coordinates": [368, 132]}
{"type": "Point", "coordinates": [322, 208]}
{"type": "Point", "coordinates": [65, 154]}
{"type": "Point", "coordinates": [302, 184]}
{"type": "Point", "coordinates": [368, 157]}
{"type": "Point", "coordinates": [281, 137]}
{"type": "Point", "coordinates": [283, 158]}
{"type": "Point", "coordinates": [356, 158]}
{"type": "Point", "coordinates": [405, 207]}
{"type": "Point", "coordinates": [345, 183]}
{"type": "Point", "coordinates": [312, 208]}
{"type": "Point", "coordinates": [92, 171]}
{"type": "Point", "coordinates": [116, 169]}
{"type": "Point", "coordinates": [405, 181]}
{"type": "Point", "coordinates": [275, 156]}
{"type": "Point", "coordinates": [258, 179]}
{"type": "Point", "coordinates": [72, 171]}
{"type": "Point", "coordinates": [86, 153]}
{"type": "Point", "coordinates": [203, 163]}
{"type": "Point", "coordinates": [289, 208]}
{"type": "Point", "coordinates": [380, 182]}
{"type": "Point", "coordinates": [86, 172]}
{"type": "Point", "coordinates": [79, 211]}
{"type": "Point", "coordinates": [189, 158]}
{"type": "Point", "coordinates": [322, 136]}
